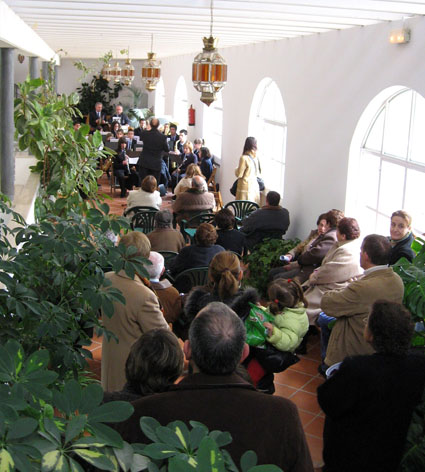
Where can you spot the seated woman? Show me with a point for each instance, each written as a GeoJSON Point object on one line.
{"type": "Point", "coordinates": [200, 254]}
{"type": "Point", "coordinates": [187, 158]}
{"type": "Point", "coordinates": [304, 261]}
{"type": "Point", "coordinates": [225, 275]}
{"type": "Point", "coordinates": [340, 266]}
{"type": "Point", "coordinates": [147, 195]}
{"type": "Point", "coordinates": [206, 162]}
{"type": "Point", "coordinates": [369, 400]}
{"type": "Point", "coordinates": [127, 177]}
{"type": "Point", "coordinates": [155, 362]}
{"type": "Point", "coordinates": [401, 237]}
{"type": "Point", "coordinates": [229, 237]}
{"type": "Point", "coordinates": [186, 182]}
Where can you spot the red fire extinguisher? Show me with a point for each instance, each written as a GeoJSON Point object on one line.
{"type": "Point", "coordinates": [191, 115]}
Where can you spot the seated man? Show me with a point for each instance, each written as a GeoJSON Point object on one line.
{"type": "Point", "coordinates": [123, 118]}
{"type": "Point", "coordinates": [216, 396]}
{"type": "Point", "coordinates": [96, 117]}
{"type": "Point", "coordinates": [194, 200]}
{"type": "Point", "coordinates": [140, 314]}
{"type": "Point", "coordinates": [142, 126]}
{"type": "Point", "coordinates": [351, 305]}
{"type": "Point", "coordinates": [169, 297]}
{"type": "Point", "coordinates": [269, 221]}
{"type": "Point", "coordinates": [131, 140]}
{"type": "Point", "coordinates": [164, 237]}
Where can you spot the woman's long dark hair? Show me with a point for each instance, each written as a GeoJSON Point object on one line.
{"type": "Point", "coordinates": [250, 145]}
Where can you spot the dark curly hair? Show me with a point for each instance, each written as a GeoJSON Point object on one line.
{"type": "Point", "coordinates": [350, 228]}
{"type": "Point", "coordinates": [391, 326]}
{"type": "Point", "coordinates": [225, 219]}
{"type": "Point", "coordinates": [206, 235]}
{"type": "Point", "coordinates": [333, 217]}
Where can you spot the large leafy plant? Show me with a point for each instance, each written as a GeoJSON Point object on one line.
{"type": "Point", "coordinates": [66, 159]}
{"type": "Point", "coordinates": [97, 90]}
{"type": "Point", "coordinates": [413, 276]}
{"type": "Point", "coordinates": [264, 257]}
{"type": "Point", "coordinates": [54, 284]}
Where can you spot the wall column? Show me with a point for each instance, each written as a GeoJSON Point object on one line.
{"type": "Point", "coordinates": [34, 72]}
{"type": "Point", "coordinates": [56, 79]}
{"type": "Point", "coordinates": [7, 125]}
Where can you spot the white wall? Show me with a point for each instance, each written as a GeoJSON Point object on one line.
{"type": "Point", "coordinates": [326, 81]}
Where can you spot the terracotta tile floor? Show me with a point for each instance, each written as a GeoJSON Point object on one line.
{"type": "Point", "coordinates": [298, 383]}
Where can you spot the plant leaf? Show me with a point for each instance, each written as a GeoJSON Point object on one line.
{"type": "Point", "coordinates": [149, 426]}
{"type": "Point", "coordinates": [248, 460]}
{"type": "Point", "coordinates": [49, 461]}
{"type": "Point", "coordinates": [95, 458]}
{"type": "Point", "coordinates": [6, 461]}
{"type": "Point", "coordinates": [21, 428]}
{"type": "Point", "coordinates": [111, 412]}
{"type": "Point", "coordinates": [75, 427]}
{"type": "Point", "coordinates": [209, 457]}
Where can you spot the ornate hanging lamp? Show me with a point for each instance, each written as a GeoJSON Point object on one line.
{"type": "Point", "coordinates": [106, 71]}
{"type": "Point", "coordinates": [151, 70]}
{"type": "Point", "coordinates": [209, 69]}
{"type": "Point", "coordinates": [127, 72]}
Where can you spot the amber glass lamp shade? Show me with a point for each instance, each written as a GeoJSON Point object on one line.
{"type": "Point", "coordinates": [106, 72]}
{"type": "Point", "coordinates": [209, 71]}
{"type": "Point", "coordinates": [116, 72]}
{"type": "Point", "coordinates": [127, 73]}
{"type": "Point", "coordinates": [151, 72]}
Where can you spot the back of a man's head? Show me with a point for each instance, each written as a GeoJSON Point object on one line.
{"type": "Point", "coordinates": [155, 269]}
{"type": "Point", "coordinates": [217, 338]}
{"type": "Point", "coordinates": [273, 198]}
{"type": "Point", "coordinates": [378, 249]}
{"type": "Point", "coordinates": [154, 123]}
{"type": "Point", "coordinates": [198, 182]}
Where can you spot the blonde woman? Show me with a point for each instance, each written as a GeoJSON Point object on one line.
{"type": "Point", "coordinates": [247, 172]}
{"type": "Point", "coordinates": [186, 182]}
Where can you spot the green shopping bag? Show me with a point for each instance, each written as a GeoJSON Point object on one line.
{"type": "Point", "coordinates": [256, 333]}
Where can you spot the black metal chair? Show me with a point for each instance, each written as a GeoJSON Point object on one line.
{"type": "Point", "coordinates": [143, 221]}
{"type": "Point", "coordinates": [189, 227]}
{"type": "Point", "coordinates": [168, 257]}
{"type": "Point", "coordinates": [241, 209]}
{"type": "Point", "coordinates": [136, 209]}
{"type": "Point", "coordinates": [191, 278]}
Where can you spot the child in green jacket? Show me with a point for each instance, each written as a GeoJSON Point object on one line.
{"type": "Point", "coordinates": [288, 305]}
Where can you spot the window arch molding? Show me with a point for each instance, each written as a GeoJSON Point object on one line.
{"type": "Point", "coordinates": [387, 157]}
{"type": "Point", "coordinates": [267, 123]}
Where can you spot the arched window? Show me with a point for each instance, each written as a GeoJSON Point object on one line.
{"type": "Point", "coordinates": [389, 172]}
{"type": "Point", "coordinates": [160, 98]}
{"type": "Point", "coordinates": [180, 104]}
{"type": "Point", "coordinates": [267, 123]}
{"type": "Point", "coordinates": [213, 126]}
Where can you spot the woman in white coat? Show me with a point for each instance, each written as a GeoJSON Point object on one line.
{"type": "Point", "coordinates": [247, 172]}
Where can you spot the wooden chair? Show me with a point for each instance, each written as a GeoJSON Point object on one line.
{"type": "Point", "coordinates": [190, 278]}
{"type": "Point", "coordinates": [213, 187]}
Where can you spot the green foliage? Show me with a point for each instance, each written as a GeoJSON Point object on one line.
{"type": "Point", "coordinates": [54, 285]}
{"type": "Point", "coordinates": [263, 257]}
{"type": "Point", "coordinates": [196, 449]}
{"type": "Point", "coordinates": [46, 428]}
{"type": "Point", "coordinates": [414, 455]}
{"type": "Point", "coordinates": [413, 276]}
{"type": "Point", "coordinates": [98, 90]}
{"type": "Point", "coordinates": [66, 159]}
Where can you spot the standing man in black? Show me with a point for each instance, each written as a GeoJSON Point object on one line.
{"type": "Point", "coordinates": [154, 145]}
{"type": "Point", "coordinates": [123, 119]}
{"type": "Point", "coordinates": [96, 117]}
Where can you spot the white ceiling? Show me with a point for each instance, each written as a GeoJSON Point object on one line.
{"type": "Point", "coordinates": [89, 28]}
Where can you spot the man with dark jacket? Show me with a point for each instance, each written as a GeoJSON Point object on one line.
{"type": "Point", "coordinates": [270, 221]}
{"type": "Point", "coordinates": [219, 398]}
{"type": "Point", "coordinates": [122, 117]}
{"type": "Point", "coordinates": [96, 117]}
{"type": "Point", "coordinates": [154, 145]}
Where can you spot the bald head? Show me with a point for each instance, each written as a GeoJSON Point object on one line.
{"type": "Point", "coordinates": [154, 123]}
{"type": "Point", "coordinates": [198, 182]}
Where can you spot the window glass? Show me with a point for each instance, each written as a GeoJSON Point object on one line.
{"type": "Point", "coordinates": [397, 123]}
{"type": "Point", "coordinates": [268, 124]}
{"type": "Point", "coordinates": [181, 104]}
{"type": "Point", "coordinates": [417, 140]}
{"type": "Point", "coordinates": [374, 140]}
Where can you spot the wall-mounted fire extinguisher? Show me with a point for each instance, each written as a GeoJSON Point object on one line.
{"type": "Point", "coordinates": [191, 116]}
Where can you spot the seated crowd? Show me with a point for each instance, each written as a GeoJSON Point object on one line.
{"type": "Point", "coordinates": [332, 283]}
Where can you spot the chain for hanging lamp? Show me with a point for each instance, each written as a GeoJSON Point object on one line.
{"type": "Point", "coordinates": [209, 69]}
{"type": "Point", "coordinates": [151, 70]}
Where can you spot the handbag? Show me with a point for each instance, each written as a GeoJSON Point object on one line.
{"type": "Point", "coordinates": [234, 188]}
{"type": "Point", "coordinates": [261, 184]}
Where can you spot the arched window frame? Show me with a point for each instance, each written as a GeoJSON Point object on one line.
{"type": "Point", "coordinates": [266, 126]}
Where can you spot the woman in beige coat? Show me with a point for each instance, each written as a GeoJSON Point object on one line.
{"type": "Point", "coordinates": [340, 266]}
{"type": "Point", "coordinates": [247, 172]}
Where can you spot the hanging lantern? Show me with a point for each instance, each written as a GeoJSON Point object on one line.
{"type": "Point", "coordinates": [106, 72]}
{"type": "Point", "coordinates": [127, 72]}
{"type": "Point", "coordinates": [151, 72]}
{"type": "Point", "coordinates": [209, 69]}
{"type": "Point", "coordinates": [116, 72]}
